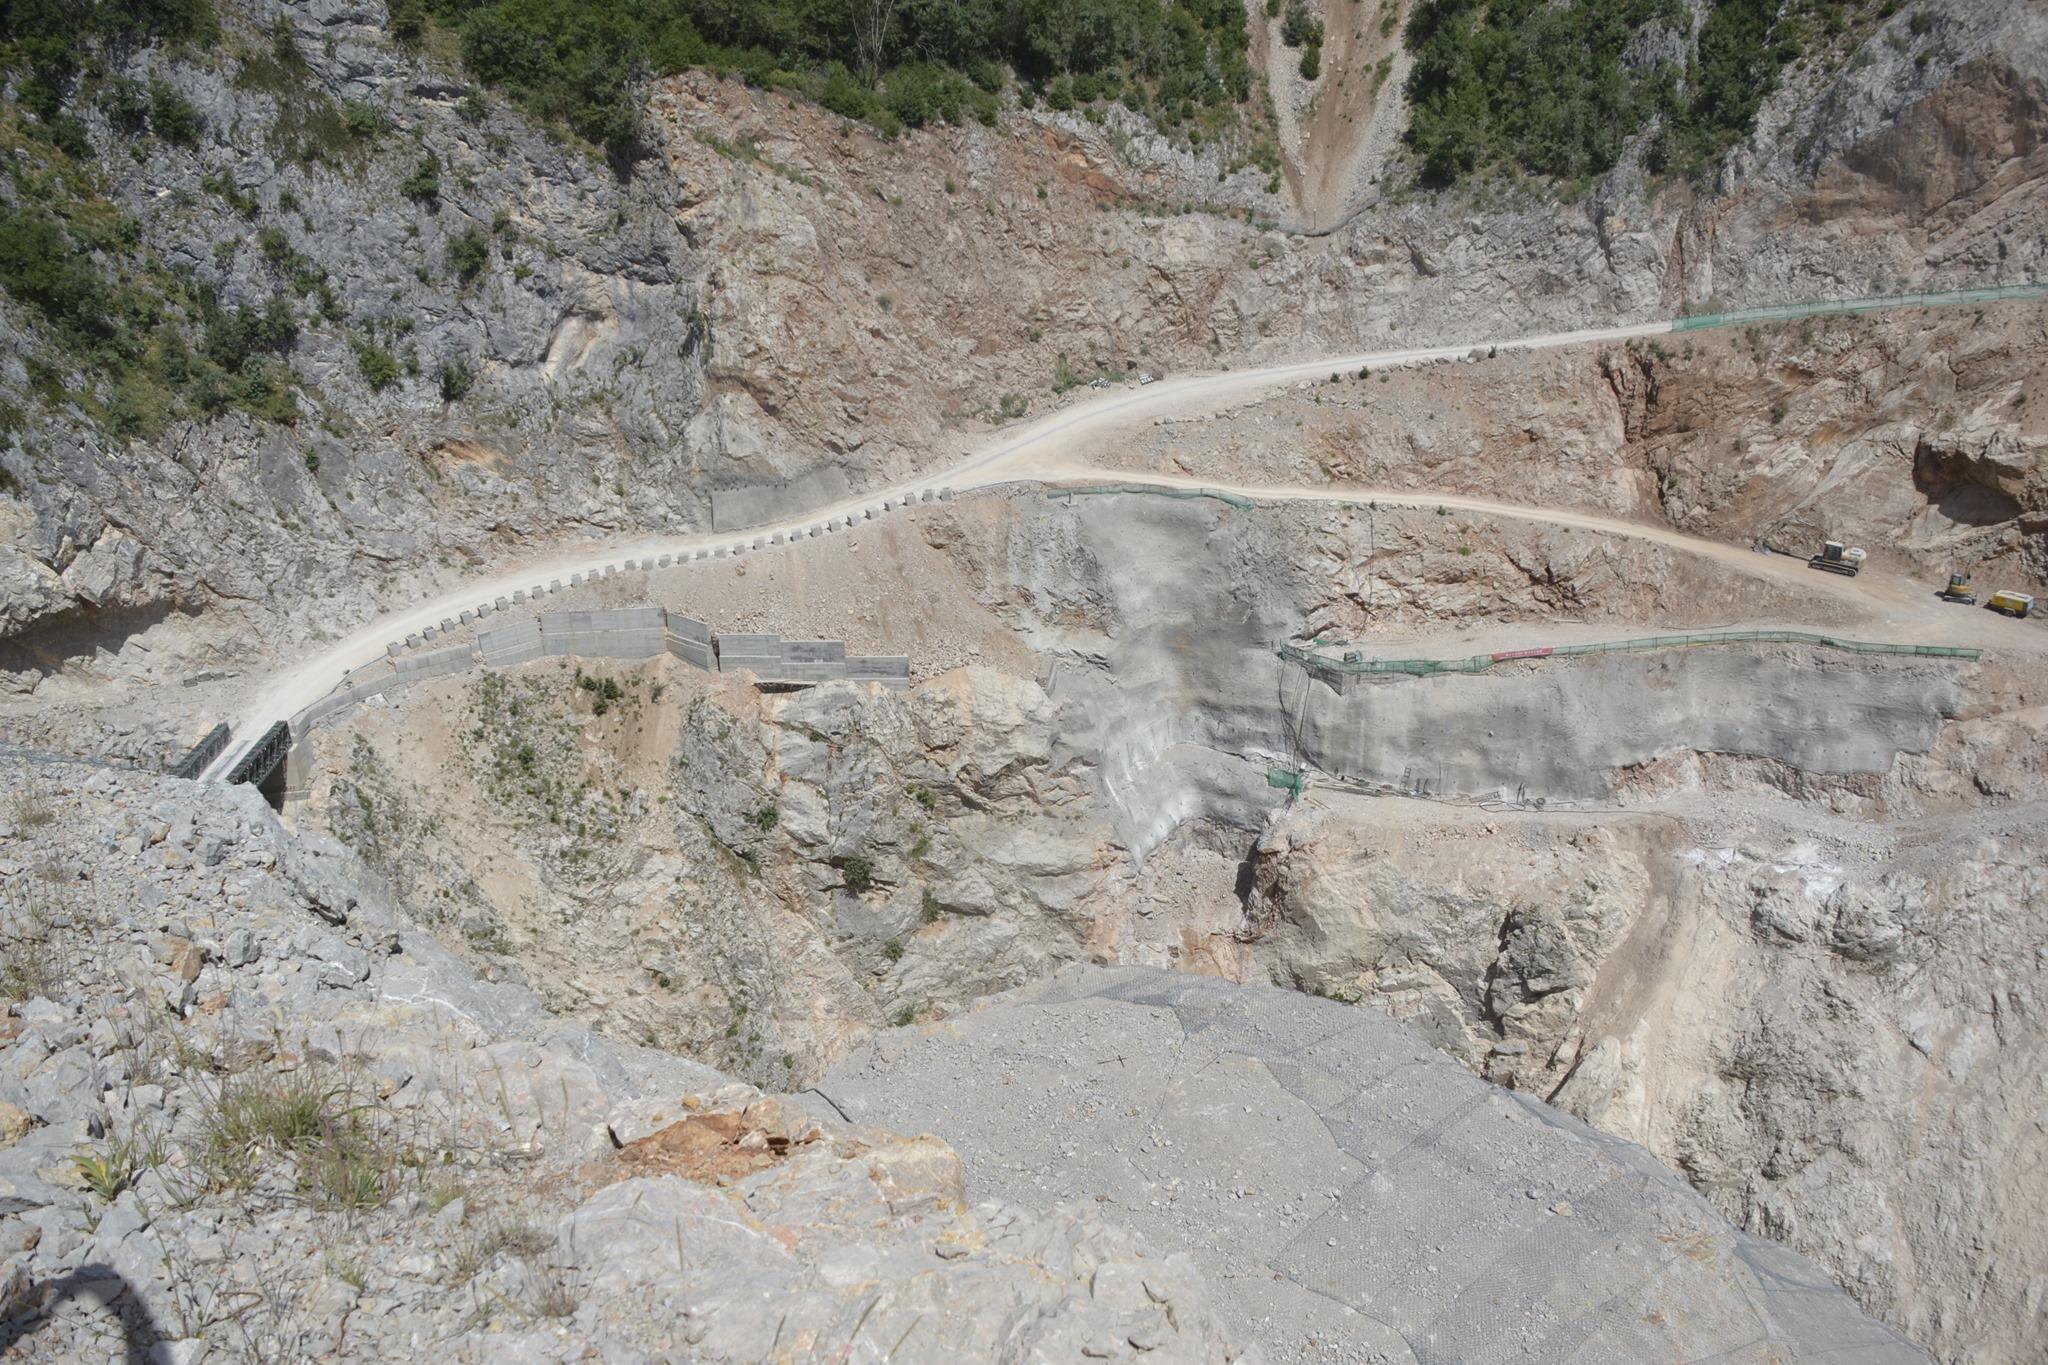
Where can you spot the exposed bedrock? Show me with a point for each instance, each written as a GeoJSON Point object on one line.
{"type": "Point", "coordinates": [1349, 1194]}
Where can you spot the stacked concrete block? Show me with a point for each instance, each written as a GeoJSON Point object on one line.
{"type": "Point", "coordinates": [436, 664]}
{"type": "Point", "coordinates": [515, 642]}
{"type": "Point", "coordinates": [890, 669]}
{"type": "Point", "coordinates": [627, 633]}
{"type": "Point", "coordinates": [690, 641]}
{"type": "Point", "coordinates": [772, 659]}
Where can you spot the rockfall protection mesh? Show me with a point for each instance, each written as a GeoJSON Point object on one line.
{"type": "Point", "coordinates": [1236, 500]}
{"type": "Point", "coordinates": [1791, 312]}
{"type": "Point", "coordinates": [1479, 663]}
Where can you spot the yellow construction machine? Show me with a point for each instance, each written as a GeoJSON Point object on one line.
{"type": "Point", "coordinates": [1958, 590]}
{"type": "Point", "coordinates": [1835, 559]}
{"type": "Point", "coordinates": [2017, 605]}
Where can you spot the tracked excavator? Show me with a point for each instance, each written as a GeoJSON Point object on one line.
{"type": "Point", "coordinates": [1835, 559]}
{"type": "Point", "coordinates": [1958, 590]}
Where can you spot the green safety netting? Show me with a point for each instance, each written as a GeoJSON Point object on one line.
{"type": "Point", "coordinates": [1161, 490]}
{"type": "Point", "coordinates": [1479, 663]}
{"type": "Point", "coordinates": [1788, 312]}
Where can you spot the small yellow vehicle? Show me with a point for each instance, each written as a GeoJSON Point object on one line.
{"type": "Point", "coordinates": [2017, 605]}
{"type": "Point", "coordinates": [1958, 590]}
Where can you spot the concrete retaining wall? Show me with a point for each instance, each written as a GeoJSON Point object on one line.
{"type": "Point", "coordinates": [622, 633]}
{"type": "Point", "coordinates": [628, 633]}
{"type": "Point", "coordinates": [772, 659]}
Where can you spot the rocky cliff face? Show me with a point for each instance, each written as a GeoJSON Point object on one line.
{"type": "Point", "coordinates": [537, 390]}
{"type": "Point", "coordinates": [1798, 1009]}
{"type": "Point", "coordinates": [777, 309]}
{"type": "Point", "coordinates": [247, 1110]}
{"type": "Point", "coordinates": [757, 881]}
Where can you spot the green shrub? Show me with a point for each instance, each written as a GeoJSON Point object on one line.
{"type": "Point", "coordinates": [172, 117]}
{"type": "Point", "coordinates": [378, 366]}
{"type": "Point", "coordinates": [1302, 27]}
{"type": "Point", "coordinates": [571, 63]}
{"type": "Point", "coordinates": [44, 266]}
{"type": "Point", "coordinates": [1311, 61]}
{"type": "Point", "coordinates": [1543, 88]}
{"type": "Point", "coordinates": [125, 102]}
{"type": "Point", "coordinates": [454, 379]}
{"type": "Point", "coordinates": [858, 875]}
{"type": "Point", "coordinates": [424, 184]}
{"type": "Point", "coordinates": [469, 252]}
{"type": "Point", "coordinates": [362, 119]}
{"type": "Point", "coordinates": [234, 336]}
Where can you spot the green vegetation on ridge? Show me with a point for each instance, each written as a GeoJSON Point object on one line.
{"type": "Point", "coordinates": [894, 63]}
{"type": "Point", "coordinates": [1544, 89]}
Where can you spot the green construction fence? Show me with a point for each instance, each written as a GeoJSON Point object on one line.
{"type": "Point", "coordinates": [1479, 663]}
{"type": "Point", "coordinates": [1161, 490]}
{"type": "Point", "coordinates": [1792, 312]}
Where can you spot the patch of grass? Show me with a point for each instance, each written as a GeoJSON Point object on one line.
{"type": "Point", "coordinates": [34, 955]}
{"type": "Point", "coordinates": [107, 1172]}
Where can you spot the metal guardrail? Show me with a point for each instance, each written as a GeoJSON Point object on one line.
{"type": "Point", "coordinates": [263, 756]}
{"type": "Point", "coordinates": [1792, 312]}
{"type": "Point", "coordinates": [1236, 500]}
{"type": "Point", "coordinates": [203, 754]}
{"type": "Point", "coordinates": [1480, 663]}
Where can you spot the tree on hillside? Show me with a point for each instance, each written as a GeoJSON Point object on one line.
{"type": "Point", "coordinates": [871, 20]}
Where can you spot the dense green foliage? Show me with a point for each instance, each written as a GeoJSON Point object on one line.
{"type": "Point", "coordinates": [51, 42]}
{"type": "Point", "coordinates": [1541, 88]}
{"type": "Point", "coordinates": [891, 62]}
{"type": "Point", "coordinates": [151, 344]}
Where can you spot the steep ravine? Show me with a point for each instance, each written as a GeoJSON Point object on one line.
{"type": "Point", "coordinates": [1744, 874]}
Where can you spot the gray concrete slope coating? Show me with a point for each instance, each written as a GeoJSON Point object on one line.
{"type": "Point", "coordinates": [1182, 701]}
{"type": "Point", "coordinates": [621, 633]}
{"type": "Point", "coordinates": [1350, 1193]}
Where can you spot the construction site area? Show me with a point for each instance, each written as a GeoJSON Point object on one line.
{"type": "Point", "coordinates": [1072, 731]}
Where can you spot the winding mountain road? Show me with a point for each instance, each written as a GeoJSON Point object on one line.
{"type": "Point", "coordinates": [1043, 452]}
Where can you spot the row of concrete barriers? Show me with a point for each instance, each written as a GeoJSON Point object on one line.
{"type": "Point", "coordinates": [731, 550]}
{"type": "Point", "coordinates": [624, 633]}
